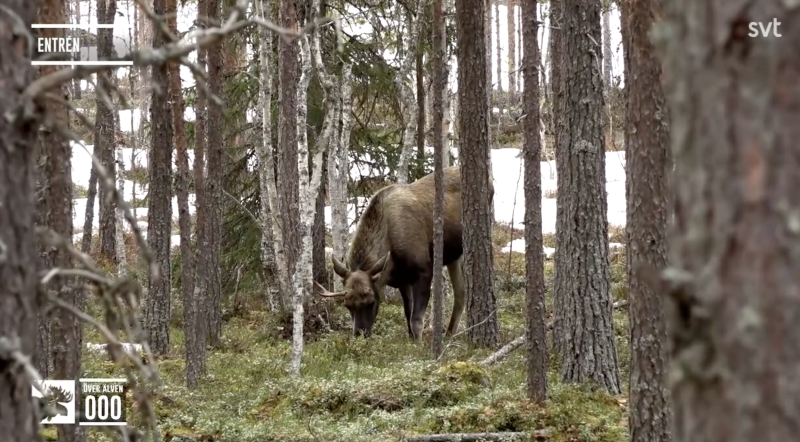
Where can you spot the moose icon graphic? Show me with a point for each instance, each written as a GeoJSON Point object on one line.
{"type": "Point", "coordinates": [57, 405]}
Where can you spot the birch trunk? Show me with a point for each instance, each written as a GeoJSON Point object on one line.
{"type": "Point", "coordinates": [498, 59]}
{"type": "Point", "coordinates": [340, 228]}
{"type": "Point", "coordinates": [274, 269]}
{"type": "Point", "coordinates": [302, 274]}
{"type": "Point", "coordinates": [407, 94]}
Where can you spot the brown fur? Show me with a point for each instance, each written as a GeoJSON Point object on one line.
{"type": "Point", "coordinates": [393, 245]}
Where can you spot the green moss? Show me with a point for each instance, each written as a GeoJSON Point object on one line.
{"type": "Point", "coordinates": [48, 433]}
{"type": "Point", "coordinates": [354, 389]}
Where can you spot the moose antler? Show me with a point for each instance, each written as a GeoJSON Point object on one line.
{"type": "Point", "coordinates": [59, 394]}
{"type": "Point", "coordinates": [328, 294]}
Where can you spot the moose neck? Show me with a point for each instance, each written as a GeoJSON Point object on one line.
{"type": "Point", "coordinates": [370, 243]}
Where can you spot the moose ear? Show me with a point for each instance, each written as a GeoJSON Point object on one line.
{"type": "Point", "coordinates": [339, 268]}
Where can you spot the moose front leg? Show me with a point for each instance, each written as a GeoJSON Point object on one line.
{"type": "Point", "coordinates": [422, 293]}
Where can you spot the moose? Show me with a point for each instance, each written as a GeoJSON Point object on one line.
{"type": "Point", "coordinates": [393, 245]}
{"type": "Point", "coordinates": [54, 399]}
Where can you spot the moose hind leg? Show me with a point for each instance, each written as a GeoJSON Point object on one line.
{"type": "Point", "coordinates": [406, 293]}
{"type": "Point", "coordinates": [456, 272]}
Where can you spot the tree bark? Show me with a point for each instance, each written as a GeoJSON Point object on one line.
{"type": "Point", "coordinates": [476, 195]}
{"type": "Point", "coordinates": [119, 215]}
{"type": "Point", "coordinates": [213, 187]}
{"type": "Point", "coordinates": [105, 133]}
{"type": "Point", "coordinates": [607, 65]}
{"type": "Point", "coordinates": [159, 203]}
{"type": "Point", "coordinates": [439, 88]}
{"type": "Point", "coordinates": [420, 68]}
{"type": "Point", "coordinates": [536, 344]}
{"type": "Point", "coordinates": [554, 54]}
{"type": "Point", "coordinates": [272, 262]}
{"type": "Point", "coordinates": [607, 55]}
{"type": "Point", "coordinates": [339, 173]}
{"type": "Point", "coordinates": [648, 167]}
{"type": "Point", "coordinates": [191, 340]}
{"type": "Point", "coordinates": [582, 274]}
{"type": "Point", "coordinates": [201, 257]}
{"type": "Point", "coordinates": [499, 54]}
{"type": "Point", "coordinates": [733, 250]}
{"type": "Point", "coordinates": [413, 27]}
{"type": "Point", "coordinates": [319, 270]}
{"type": "Point", "coordinates": [512, 47]}
{"type": "Point", "coordinates": [287, 177]}
{"type": "Point", "coordinates": [57, 215]}
{"type": "Point", "coordinates": [308, 191]}
{"type": "Point", "coordinates": [91, 196]}
{"type": "Point", "coordinates": [18, 258]}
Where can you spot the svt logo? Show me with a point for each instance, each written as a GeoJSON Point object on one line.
{"type": "Point", "coordinates": [755, 27]}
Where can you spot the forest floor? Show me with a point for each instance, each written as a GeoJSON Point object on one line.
{"type": "Point", "coordinates": [378, 389]}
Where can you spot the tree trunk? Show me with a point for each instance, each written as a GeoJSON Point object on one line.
{"type": "Point", "coordinates": [420, 68]}
{"type": "Point", "coordinates": [272, 263]}
{"type": "Point", "coordinates": [439, 88]}
{"type": "Point", "coordinates": [339, 174]}
{"type": "Point", "coordinates": [57, 215]}
{"type": "Point", "coordinates": [556, 93]}
{"type": "Point", "coordinates": [733, 249]}
{"type": "Point", "coordinates": [607, 58]}
{"type": "Point", "coordinates": [487, 35]}
{"type": "Point", "coordinates": [489, 91]}
{"type": "Point", "coordinates": [287, 178]}
{"type": "Point", "coordinates": [76, 83]}
{"type": "Point", "coordinates": [201, 256]}
{"type": "Point", "coordinates": [582, 287]}
{"type": "Point", "coordinates": [213, 188]}
{"type": "Point", "coordinates": [159, 203]}
{"type": "Point", "coordinates": [535, 342]}
{"type": "Point", "coordinates": [91, 196]}
{"type": "Point", "coordinates": [18, 260]}
{"type": "Point", "coordinates": [105, 133]}
{"type": "Point", "coordinates": [191, 339]}
{"type": "Point", "coordinates": [476, 195]}
{"type": "Point", "coordinates": [499, 55]}
{"type": "Point", "coordinates": [648, 168]}
{"type": "Point", "coordinates": [607, 55]}
{"type": "Point", "coordinates": [119, 215]}
{"type": "Point", "coordinates": [308, 187]}
{"type": "Point", "coordinates": [319, 270]}
{"type": "Point", "coordinates": [413, 27]}
{"type": "Point", "coordinates": [43, 359]}
{"type": "Point", "coordinates": [512, 47]}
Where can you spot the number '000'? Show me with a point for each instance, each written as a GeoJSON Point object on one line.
{"type": "Point", "coordinates": [103, 407]}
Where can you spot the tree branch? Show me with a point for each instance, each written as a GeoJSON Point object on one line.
{"type": "Point", "coordinates": [474, 437]}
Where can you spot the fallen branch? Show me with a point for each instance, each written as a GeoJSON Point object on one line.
{"type": "Point", "coordinates": [518, 342]}
{"type": "Point", "coordinates": [474, 437]}
{"type": "Point", "coordinates": [503, 352]}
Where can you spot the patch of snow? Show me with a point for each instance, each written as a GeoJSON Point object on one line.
{"type": "Point", "coordinates": [101, 348]}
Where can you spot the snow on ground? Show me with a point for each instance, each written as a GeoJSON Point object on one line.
{"type": "Point", "coordinates": [509, 198]}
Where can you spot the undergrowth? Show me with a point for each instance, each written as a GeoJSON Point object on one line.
{"type": "Point", "coordinates": [376, 389]}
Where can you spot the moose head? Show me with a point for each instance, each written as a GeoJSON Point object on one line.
{"type": "Point", "coordinates": [55, 397]}
{"type": "Point", "coordinates": [361, 293]}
